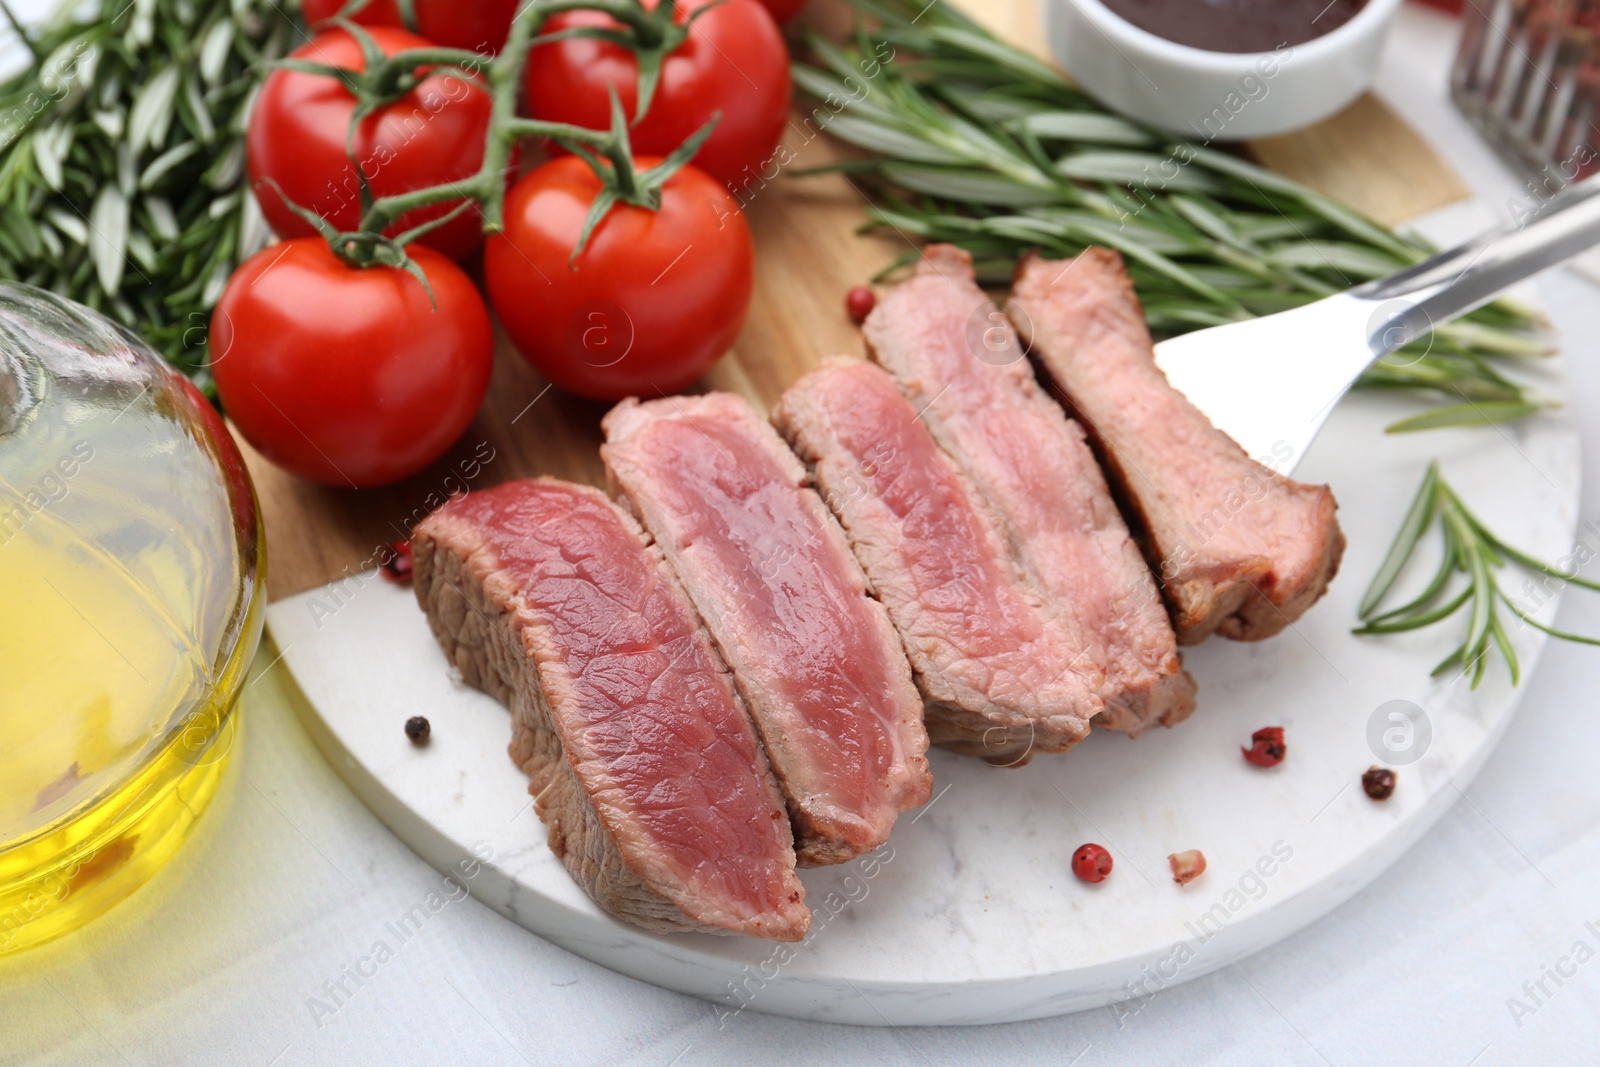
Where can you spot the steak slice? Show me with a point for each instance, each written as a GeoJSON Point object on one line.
{"type": "Point", "coordinates": [958, 361]}
{"type": "Point", "coordinates": [814, 657]}
{"type": "Point", "coordinates": [1000, 676]}
{"type": "Point", "coordinates": [644, 765]}
{"type": "Point", "coordinates": [1241, 551]}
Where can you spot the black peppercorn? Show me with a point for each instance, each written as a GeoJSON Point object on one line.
{"type": "Point", "coordinates": [417, 729]}
{"type": "Point", "coordinates": [1378, 782]}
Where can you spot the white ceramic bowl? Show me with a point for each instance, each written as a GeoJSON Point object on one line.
{"type": "Point", "coordinates": [1215, 96]}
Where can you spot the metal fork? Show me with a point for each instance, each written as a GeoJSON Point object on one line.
{"type": "Point", "coordinates": [1271, 383]}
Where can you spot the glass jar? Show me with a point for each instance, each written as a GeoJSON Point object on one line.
{"type": "Point", "coordinates": [1528, 76]}
{"type": "Point", "coordinates": [131, 602]}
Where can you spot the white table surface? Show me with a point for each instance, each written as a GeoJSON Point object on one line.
{"type": "Point", "coordinates": [289, 881]}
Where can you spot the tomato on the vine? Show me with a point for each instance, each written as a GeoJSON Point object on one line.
{"type": "Point", "coordinates": [733, 61]}
{"type": "Point", "coordinates": [432, 135]}
{"type": "Point", "coordinates": [346, 375]}
{"type": "Point", "coordinates": [652, 301]}
{"type": "Point", "coordinates": [476, 25]}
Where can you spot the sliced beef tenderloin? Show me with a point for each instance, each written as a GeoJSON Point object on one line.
{"type": "Point", "coordinates": [1241, 551]}
{"type": "Point", "coordinates": [958, 360]}
{"type": "Point", "coordinates": [644, 765]}
{"type": "Point", "coordinates": [1001, 678]}
{"type": "Point", "coordinates": [813, 655]}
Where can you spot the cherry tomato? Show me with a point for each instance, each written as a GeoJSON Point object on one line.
{"type": "Point", "coordinates": [476, 25]}
{"type": "Point", "coordinates": [654, 299]}
{"type": "Point", "coordinates": [349, 376]}
{"type": "Point", "coordinates": [433, 134]}
{"type": "Point", "coordinates": [733, 61]}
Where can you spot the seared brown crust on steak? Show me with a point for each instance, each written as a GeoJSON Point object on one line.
{"type": "Point", "coordinates": [999, 674]}
{"type": "Point", "coordinates": [958, 361]}
{"type": "Point", "coordinates": [1241, 551]}
{"type": "Point", "coordinates": [645, 768]}
{"type": "Point", "coordinates": [770, 572]}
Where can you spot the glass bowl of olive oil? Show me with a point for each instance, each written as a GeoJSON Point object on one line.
{"type": "Point", "coordinates": [131, 599]}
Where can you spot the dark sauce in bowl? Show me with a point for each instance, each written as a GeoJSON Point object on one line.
{"type": "Point", "coordinates": [1237, 25]}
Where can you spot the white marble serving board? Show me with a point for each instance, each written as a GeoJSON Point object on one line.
{"type": "Point", "coordinates": [971, 913]}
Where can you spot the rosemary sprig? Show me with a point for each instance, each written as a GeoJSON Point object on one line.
{"type": "Point", "coordinates": [122, 159]}
{"type": "Point", "coordinates": [976, 142]}
{"type": "Point", "coordinates": [1472, 550]}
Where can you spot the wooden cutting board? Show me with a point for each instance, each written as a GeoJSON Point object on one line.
{"type": "Point", "coordinates": [808, 255]}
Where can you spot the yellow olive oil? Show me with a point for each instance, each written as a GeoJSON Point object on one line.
{"type": "Point", "coordinates": [85, 665]}
{"type": "Point", "coordinates": [130, 604]}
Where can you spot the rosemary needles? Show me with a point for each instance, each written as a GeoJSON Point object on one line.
{"type": "Point", "coordinates": [1472, 550]}
{"type": "Point", "coordinates": [122, 159]}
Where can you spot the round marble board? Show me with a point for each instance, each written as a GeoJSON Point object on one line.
{"type": "Point", "coordinates": [971, 913]}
